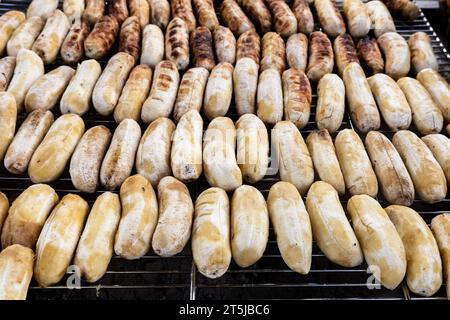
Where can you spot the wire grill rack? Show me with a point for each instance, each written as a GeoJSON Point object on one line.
{"type": "Point", "coordinates": [153, 277]}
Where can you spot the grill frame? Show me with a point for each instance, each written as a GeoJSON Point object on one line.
{"type": "Point", "coordinates": [153, 277]}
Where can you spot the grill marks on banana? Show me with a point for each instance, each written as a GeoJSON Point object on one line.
{"type": "Point", "coordinates": [249, 46]}
{"type": "Point", "coordinates": [201, 47]}
{"type": "Point", "coordinates": [130, 37]}
{"type": "Point", "coordinates": [346, 42]}
{"type": "Point", "coordinates": [370, 55]}
{"type": "Point", "coordinates": [164, 81]}
{"type": "Point", "coordinates": [304, 89]}
{"type": "Point", "coordinates": [322, 47]}
{"type": "Point", "coordinates": [177, 39]}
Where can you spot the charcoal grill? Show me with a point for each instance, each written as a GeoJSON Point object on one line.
{"type": "Point", "coordinates": [153, 277]}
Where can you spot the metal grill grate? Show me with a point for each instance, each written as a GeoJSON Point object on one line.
{"type": "Point", "coordinates": [152, 277]}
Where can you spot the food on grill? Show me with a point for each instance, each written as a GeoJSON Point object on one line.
{"type": "Point", "coordinates": [109, 85]}
{"type": "Point", "coordinates": [438, 88]}
{"type": "Point", "coordinates": [235, 18]}
{"type": "Point", "coordinates": [219, 155]}
{"type": "Point", "coordinates": [407, 9]}
{"type": "Point", "coordinates": [51, 38]}
{"type": "Point", "coordinates": [330, 102]}
{"type": "Point", "coordinates": [42, 8]}
{"type": "Point", "coordinates": [391, 101]}
{"type": "Point", "coordinates": [118, 9]}
{"type": "Point", "coordinates": [426, 174]}
{"type": "Point", "coordinates": [26, 140]}
{"type": "Point", "coordinates": [130, 37]}
{"type": "Point", "coordinates": [51, 157]}
{"type": "Point", "coordinates": [177, 43]}
{"type": "Point", "coordinates": [245, 82]}
{"type": "Point", "coordinates": [291, 225]}
{"type": "Point", "coordinates": [304, 16]}
{"type": "Point", "coordinates": [381, 18]}
{"type": "Point", "coordinates": [4, 206]}
{"type": "Point", "coordinates": [330, 227]}
{"type": "Point", "coordinates": [102, 37]}
{"type": "Point", "coordinates": [284, 21]}
{"type": "Point", "coordinates": [258, 13]}
{"type": "Point", "coordinates": [294, 161]}
{"type": "Point", "coordinates": [248, 46]}
{"type": "Point", "coordinates": [159, 13]}
{"type": "Point", "coordinates": [16, 271]}
{"type": "Point", "coordinates": [273, 52]}
{"type": "Point", "coordinates": [9, 22]}
{"type": "Point", "coordinates": [139, 218]}
{"type": "Point", "coordinates": [344, 52]}
{"type": "Point", "coordinates": [134, 93]}
{"type": "Point", "coordinates": [355, 164]}
{"type": "Point", "coordinates": [394, 179]}
{"type": "Point", "coordinates": [95, 249]}
{"type": "Point", "coordinates": [87, 158]}
{"type": "Point", "coordinates": [224, 45]}
{"type": "Point", "coordinates": [252, 147]}
{"type": "Point", "coordinates": [27, 215]}
{"type": "Point", "coordinates": [73, 9]}
{"type": "Point", "coordinates": [440, 225]}
{"type": "Point", "coordinates": [176, 212]}
{"type": "Point", "coordinates": [163, 92]}
{"type": "Point", "coordinates": [77, 97]}
{"type": "Point", "coordinates": [233, 152]}
{"type": "Point", "coordinates": [297, 51]}
{"type": "Point", "coordinates": [357, 16]}
{"type": "Point", "coordinates": [249, 225]}
{"type": "Point", "coordinates": [47, 90]}
{"type": "Point", "coordinates": [218, 91]}
{"type": "Point", "coordinates": [422, 55]}
{"type": "Point", "coordinates": [323, 154]}
{"type": "Point", "coordinates": [439, 146]}
{"type": "Point", "coordinates": [363, 108]}
{"type": "Point", "coordinates": [330, 17]}
{"type": "Point", "coordinates": [152, 45]}
{"type": "Point", "coordinates": [381, 244]}
{"type": "Point", "coordinates": [25, 35]}
{"type": "Point", "coordinates": [29, 67]}
{"type": "Point", "coordinates": [426, 115]}
{"type": "Point", "coordinates": [119, 159]}
{"type": "Point", "coordinates": [183, 9]}
{"type": "Point", "coordinates": [190, 92]}
{"type": "Point", "coordinates": [186, 153]}
{"type": "Point", "coordinates": [72, 49]}
{"type": "Point", "coordinates": [424, 268]}
{"type": "Point", "coordinates": [141, 10]}
{"type": "Point", "coordinates": [396, 53]}
{"type": "Point", "coordinates": [8, 118]}
{"type": "Point", "coordinates": [269, 97]}
{"type": "Point", "coordinates": [321, 57]}
{"type": "Point", "coordinates": [206, 14]}
{"type": "Point", "coordinates": [94, 11]}
{"type": "Point", "coordinates": [58, 240]}
{"type": "Point", "coordinates": [153, 154]}
{"type": "Point", "coordinates": [369, 55]}
{"type": "Point", "coordinates": [297, 97]}
{"type": "Point", "coordinates": [211, 249]}
{"type": "Point", "coordinates": [7, 65]}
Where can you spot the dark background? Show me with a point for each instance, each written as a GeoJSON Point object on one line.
{"type": "Point", "coordinates": [439, 20]}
